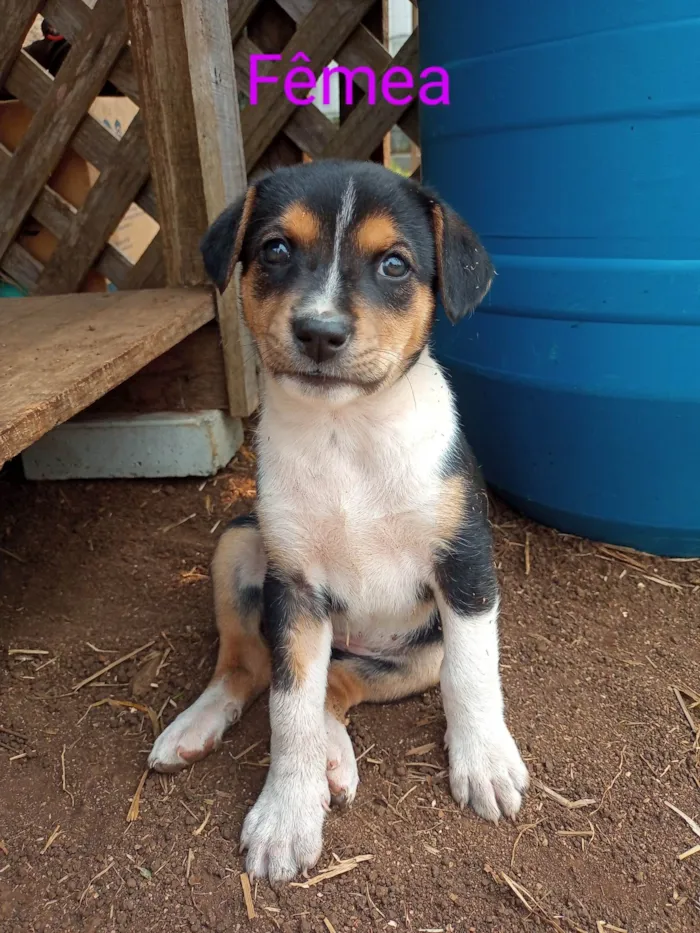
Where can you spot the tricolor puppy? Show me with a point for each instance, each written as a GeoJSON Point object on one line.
{"type": "Point", "coordinates": [366, 573]}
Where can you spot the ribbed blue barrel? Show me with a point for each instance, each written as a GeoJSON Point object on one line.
{"type": "Point", "coordinates": [572, 146]}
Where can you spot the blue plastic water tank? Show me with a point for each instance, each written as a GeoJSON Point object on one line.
{"type": "Point", "coordinates": [572, 146]}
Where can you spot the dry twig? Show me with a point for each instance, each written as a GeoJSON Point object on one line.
{"type": "Point", "coordinates": [422, 749]}
{"type": "Point", "coordinates": [365, 752]}
{"type": "Point", "coordinates": [339, 868]}
{"type": "Point", "coordinates": [685, 709]}
{"type": "Point", "coordinates": [133, 813]}
{"type": "Point", "coordinates": [569, 804]}
{"type": "Point", "coordinates": [93, 880]}
{"type": "Point", "coordinates": [247, 895]}
{"type": "Point", "coordinates": [684, 816]}
{"type": "Point", "coordinates": [246, 750]}
{"type": "Point", "coordinates": [15, 735]}
{"type": "Point", "coordinates": [63, 777]}
{"type": "Point", "coordinates": [177, 524]}
{"type": "Point", "coordinates": [20, 560]}
{"type": "Point", "coordinates": [527, 553]}
{"type": "Point", "coordinates": [372, 904]}
{"type": "Point", "coordinates": [112, 665]}
{"type": "Point", "coordinates": [128, 704]}
{"type": "Point", "coordinates": [613, 782]}
{"type": "Point", "coordinates": [525, 829]}
{"type": "Point", "coordinates": [52, 838]}
{"type": "Point", "coordinates": [530, 902]}
{"type": "Point", "coordinates": [200, 829]}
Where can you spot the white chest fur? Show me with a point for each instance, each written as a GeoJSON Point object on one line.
{"type": "Point", "coordinates": [348, 493]}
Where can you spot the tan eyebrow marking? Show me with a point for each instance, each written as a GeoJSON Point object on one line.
{"type": "Point", "coordinates": [377, 234]}
{"type": "Point", "coordinates": [301, 224]}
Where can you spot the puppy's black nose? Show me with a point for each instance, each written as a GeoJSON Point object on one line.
{"type": "Point", "coordinates": [321, 338]}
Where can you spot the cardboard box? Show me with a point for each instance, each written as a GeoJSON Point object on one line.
{"type": "Point", "coordinates": [73, 179]}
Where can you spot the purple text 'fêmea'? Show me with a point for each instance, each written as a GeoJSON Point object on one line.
{"type": "Point", "coordinates": [395, 86]}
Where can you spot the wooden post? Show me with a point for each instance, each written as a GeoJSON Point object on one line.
{"type": "Point", "coordinates": [217, 115]}
{"type": "Point", "coordinates": [160, 53]}
{"type": "Point", "coordinates": [184, 59]}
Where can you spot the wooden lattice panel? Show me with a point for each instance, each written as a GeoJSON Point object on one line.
{"type": "Point", "coordinates": [68, 184]}
{"type": "Point", "coordinates": [73, 251]}
{"type": "Point", "coordinates": [325, 31]}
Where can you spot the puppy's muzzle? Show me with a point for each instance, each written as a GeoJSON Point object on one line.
{"type": "Point", "coordinates": [321, 338]}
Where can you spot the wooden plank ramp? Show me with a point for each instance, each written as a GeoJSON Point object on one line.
{"type": "Point", "coordinates": [61, 353]}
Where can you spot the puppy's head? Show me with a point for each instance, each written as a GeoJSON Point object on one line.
{"type": "Point", "coordinates": [342, 263]}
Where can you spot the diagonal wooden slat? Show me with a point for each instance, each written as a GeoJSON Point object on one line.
{"type": "Point", "coordinates": [70, 17]}
{"type": "Point", "coordinates": [114, 266]}
{"type": "Point", "coordinates": [149, 271]}
{"type": "Point", "coordinates": [52, 212]}
{"type": "Point", "coordinates": [17, 18]}
{"type": "Point", "coordinates": [59, 116]}
{"type": "Point", "coordinates": [319, 36]}
{"type": "Point", "coordinates": [240, 12]}
{"type": "Point", "coordinates": [367, 124]}
{"type": "Point", "coordinates": [308, 128]}
{"type": "Point", "coordinates": [106, 204]}
{"type": "Point", "coordinates": [361, 48]}
{"type": "Point", "coordinates": [93, 141]}
{"type": "Point", "coordinates": [21, 267]}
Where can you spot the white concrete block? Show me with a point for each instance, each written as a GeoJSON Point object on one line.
{"type": "Point", "coordinates": [148, 446]}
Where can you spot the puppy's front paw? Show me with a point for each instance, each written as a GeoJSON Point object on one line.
{"type": "Point", "coordinates": [283, 833]}
{"type": "Point", "coordinates": [487, 772]}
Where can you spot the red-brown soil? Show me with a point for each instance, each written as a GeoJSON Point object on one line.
{"type": "Point", "coordinates": [592, 644]}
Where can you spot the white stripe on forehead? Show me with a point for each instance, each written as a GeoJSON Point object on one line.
{"type": "Point", "coordinates": [326, 299]}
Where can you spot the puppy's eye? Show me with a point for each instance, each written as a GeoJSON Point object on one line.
{"type": "Point", "coordinates": [276, 252]}
{"type": "Point", "coordinates": [393, 266]}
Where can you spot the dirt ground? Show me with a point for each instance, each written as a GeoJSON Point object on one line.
{"type": "Point", "coordinates": [593, 642]}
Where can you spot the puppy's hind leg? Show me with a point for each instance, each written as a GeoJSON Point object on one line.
{"type": "Point", "coordinates": [355, 680]}
{"type": "Point", "coordinates": [243, 665]}
{"type": "Point", "coordinates": [346, 688]}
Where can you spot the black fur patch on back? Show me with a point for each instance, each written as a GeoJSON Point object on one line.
{"type": "Point", "coordinates": [464, 569]}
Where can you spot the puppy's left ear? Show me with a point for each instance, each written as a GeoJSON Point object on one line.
{"type": "Point", "coordinates": [464, 269]}
{"type": "Point", "coordinates": [221, 245]}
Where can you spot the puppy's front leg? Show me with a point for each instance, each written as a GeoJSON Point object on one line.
{"type": "Point", "coordinates": [283, 831]}
{"type": "Point", "coordinates": [486, 769]}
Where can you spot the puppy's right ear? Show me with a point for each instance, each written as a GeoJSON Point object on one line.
{"type": "Point", "coordinates": [221, 245]}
